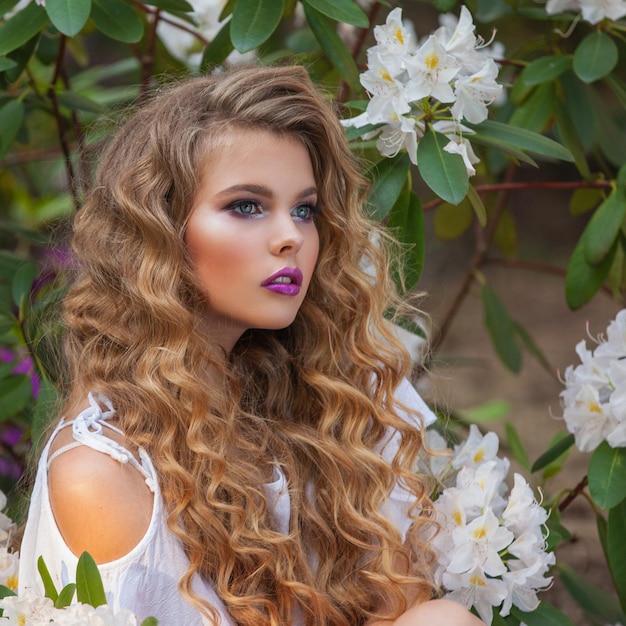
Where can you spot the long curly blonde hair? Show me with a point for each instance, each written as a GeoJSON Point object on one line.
{"type": "Point", "coordinates": [315, 398]}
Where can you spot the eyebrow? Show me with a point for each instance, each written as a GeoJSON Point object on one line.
{"type": "Point", "coordinates": [262, 190]}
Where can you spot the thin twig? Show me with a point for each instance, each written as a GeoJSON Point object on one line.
{"type": "Point", "coordinates": [69, 170]}
{"type": "Point", "coordinates": [574, 493]}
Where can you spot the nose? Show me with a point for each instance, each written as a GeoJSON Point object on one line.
{"type": "Point", "coordinates": [286, 236]}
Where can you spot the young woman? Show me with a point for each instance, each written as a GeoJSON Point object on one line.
{"type": "Point", "coordinates": [238, 440]}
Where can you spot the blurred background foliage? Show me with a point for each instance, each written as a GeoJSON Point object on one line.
{"type": "Point", "coordinates": [70, 68]}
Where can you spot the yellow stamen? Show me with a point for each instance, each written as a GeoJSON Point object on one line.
{"type": "Point", "coordinates": [479, 456]}
{"type": "Point", "coordinates": [386, 76]}
{"type": "Point", "coordinates": [480, 532]}
{"type": "Point", "coordinates": [399, 35]}
{"type": "Point", "coordinates": [595, 408]}
{"type": "Point", "coordinates": [432, 61]}
{"type": "Point", "coordinates": [477, 580]}
{"type": "Point", "coordinates": [458, 518]}
{"type": "Point", "coordinates": [12, 582]}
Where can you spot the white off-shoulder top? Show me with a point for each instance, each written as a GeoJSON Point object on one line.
{"type": "Point", "coordinates": [146, 579]}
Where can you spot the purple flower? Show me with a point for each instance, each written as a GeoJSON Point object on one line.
{"type": "Point", "coordinates": [24, 365]}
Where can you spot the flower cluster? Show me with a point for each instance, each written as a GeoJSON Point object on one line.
{"type": "Point", "coordinates": [593, 11]}
{"type": "Point", "coordinates": [444, 79]}
{"type": "Point", "coordinates": [34, 610]}
{"type": "Point", "coordinates": [490, 548]}
{"type": "Point", "coordinates": [594, 398]}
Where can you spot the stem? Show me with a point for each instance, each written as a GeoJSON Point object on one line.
{"type": "Point", "coordinates": [578, 490]}
{"type": "Point", "coordinates": [359, 42]}
{"type": "Point", "coordinates": [513, 186]}
{"type": "Point", "coordinates": [69, 170]}
{"type": "Point", "coordinates": [483, 239]}
{"type": "Point", "coordinates": [148, 57]}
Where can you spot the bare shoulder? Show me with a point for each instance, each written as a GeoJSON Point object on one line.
{"type": "Point", "coordinates": [100, 505]}
{"type": "Point", "coordinates": [439, 613]}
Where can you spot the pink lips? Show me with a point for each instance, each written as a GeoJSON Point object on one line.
{"type": "Point", "coordinates": [286, 282]}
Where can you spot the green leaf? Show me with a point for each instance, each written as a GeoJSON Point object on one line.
{"type": "Point", "coordinates": [604, 227]}
{"type": "Point", "coordinates": [595, 57]}
{"type": "Point", "coordinates": [23, 282]}
{"type": "Point", "coordinates": [582, 280]}
{"type": "Point", "coordinates": [253, 22]}
{"type": "Point", "coordinates": [618, 87]}
{"type": "Point", "coordinates": [545, 69]}
{"type": "Point", "coordinates": [490, 411]}
{"type": "Point", "coordinates": [533, 348]}
{"type": "Point", "coordinates": [346, 11]}
{"type": "Point", "coordinates": [218, 50]}
{"type": "Point", "coordinates": [544, 615]}
{"type": "Point", "coordinates": [443, 172]}
{"type": "Point", "coordinates": [6, 64]}
{"type": "Point", "coordinates": [326, 33]}
{"type": "Point", "coordinates": [505, 236]}
{"type": "Point", "coordinates": [501, 330]}
{"type": "Point", "coordinates": [596, 602]}
{"type": "Point", "coordinates": [585, 199]}
{"type": "Point", "coordinates": [150, 621]}
{"type": "Point", "coordinates": [516, 446]}
{"type": "Point", "coordinates": [536, 111]}
{"type": "Point", "coordinates": [616, 550]}
{"type": "Point", "coordinates": [570, 137]}
{"type": "Point", "coordinates": [171, 5]}
{"type": "Point", "coordinates": [478, 206]}
{"type": "Point", "coordinates": [522, 139]}
{"type": "Point", "coordinates": [68, 16]}
{"type": "Point", "coordinates": [66, 596]}
{"type": "Point", "coordinates": [16, 392]}
{"type": "Point", "coordinates": [607, 475]}
{"type": "Point", "coordinates": [89, 588]}
{"type": "Point", "coordinates": [117, 20]}
{"type": "Point", "coordinates": [11, 116]}
{"type": "Point", "coordinates": [48, 585]}
{"type": "Point", "coordinates": [75, 101]}
{"type": "Point", "coordinates": [503, 147]}
{"type": "Point", "coordinates": [452, 220]}
{"type": "Point", "coordinates": [407, 219]}
{"type": "Point", "coordinates": [5, 592]}
{"type": "Point", "coordinates": [388, 178]}
{"type": "Point", "coordinates": [553, 453]}
{"type": "Point", "coordinates": [22, 27]}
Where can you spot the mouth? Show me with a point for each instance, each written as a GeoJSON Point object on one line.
{"type": "Point", "coordinates": [286, 281]}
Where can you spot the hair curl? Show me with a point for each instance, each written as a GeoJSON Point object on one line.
{"type": "Point", "coordinates": [316, 397]}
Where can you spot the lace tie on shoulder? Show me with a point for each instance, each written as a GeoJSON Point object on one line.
{"type": "Point", "coordinates": [88, 430]}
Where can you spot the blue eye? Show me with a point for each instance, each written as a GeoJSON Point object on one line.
{"type": "Point", "coordinates": [245, 208]}
{"type": "Point", "coordinates": [305, 212]}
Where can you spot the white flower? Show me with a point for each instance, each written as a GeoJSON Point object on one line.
{"type": "Point", "coordinates": [9, 567]}
{"type": "Point", "coordinates": [588, 419]}
{"type": "Point", "coordinates": [431, 69]}
{"type": "Point", "coordinates": [475, 92]}
{"type": "Point", "coordinates": [474, 589]}
{"type": "Point", "coordinates": [477, 546]}
{"type": "Point", "coordinates": [399, 134]}
{"type": "Point", "coordinates": [28, 609]}
{"type": "Point", "coordinates": [394, 40]}
{"type": "Point", "coordinates": [595, 11]}
{"type": "Point", "coordinates": [476, 449]}
{"type": "Point", "coordinates": [559, 6]}
{"type": "Point", "coordinates": [522, 511]}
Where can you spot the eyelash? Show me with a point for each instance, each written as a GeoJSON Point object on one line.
{"type": "Point", "coordinates": [314, 209]}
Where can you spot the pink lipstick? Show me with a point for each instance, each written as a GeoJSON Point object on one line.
{"type": "Point", "coordinates": [286, 282]}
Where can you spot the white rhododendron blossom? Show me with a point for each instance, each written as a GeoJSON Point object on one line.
{"type": "Point", "coordinates": [491, 549]}
{"type": "Point", "coordinates": [594, 398]}
{"type": "Point", "coordinates": [34, 610]}
{"type": "Point", "coordinates": [592, 11]}
{"type": "Point", "coordinates": [446, 78]}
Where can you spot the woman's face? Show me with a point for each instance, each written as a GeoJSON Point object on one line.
{"type": "Point", "coordinates": [251, 234]}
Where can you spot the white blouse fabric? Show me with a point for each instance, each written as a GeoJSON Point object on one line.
{"type": "Point", "coordinates": [146, 579]}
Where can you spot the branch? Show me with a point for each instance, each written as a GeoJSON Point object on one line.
{"type": "Point", "coordinates": [511, 186]}
{"type": "Point", "coordinates": [574, 493]}
{"type": "Point", "coordinates": [71, 179]}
